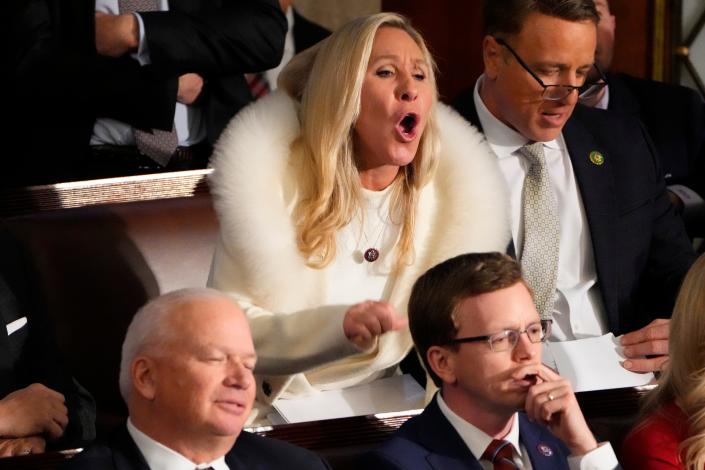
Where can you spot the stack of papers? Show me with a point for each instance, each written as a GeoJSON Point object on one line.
{"type": "Point", "coordinates": [391, 394]}
{"type": "Point", "coordinates": [593, 364]}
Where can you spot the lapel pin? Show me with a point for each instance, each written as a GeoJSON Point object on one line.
{"type": "Point", "coordinates": [545, 449]}
{"type": "Point", "coordinates": [597, 158]}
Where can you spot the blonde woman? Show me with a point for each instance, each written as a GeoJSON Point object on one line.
{"type": "Point", "coordinates": [672, 435]}
{"type": "Point", "coordinates": [335, 195]}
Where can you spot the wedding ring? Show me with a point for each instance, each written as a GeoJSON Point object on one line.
{"type": "Point", "coordinates": [551, 397]}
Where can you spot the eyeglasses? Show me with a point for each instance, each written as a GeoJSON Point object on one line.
{"type": "Point", "coordinates": [508, 339]}
{"type": "Point", "coordinates": [558, 92]}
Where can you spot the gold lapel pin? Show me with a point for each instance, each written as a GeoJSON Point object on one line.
{"type": "Point", "coordinates": [597, 158]}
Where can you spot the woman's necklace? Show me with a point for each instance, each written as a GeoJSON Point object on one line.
{"type": "Point", "coordinates": [378, 210]}
{"type": "Point", "coordinates": [371, 254]}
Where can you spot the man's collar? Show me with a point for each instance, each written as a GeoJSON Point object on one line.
{"type": "Point", "coordinates": [160, 457]}
{"type": "Point", "coordinates": [503, 139]}
{"type": "Point", "coordinates": [475, 439]}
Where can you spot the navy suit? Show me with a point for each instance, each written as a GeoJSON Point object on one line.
{"type": "Point", "coordinates": [250, 452]}
{"type": "Point", "coordinates": [640, 247]}
{"type": "Point", "coordinates": [675, 118]}
{"type": "Point", "coordinates": [29, 354]}
{"type": "Point", "coordinates": [429, 441]}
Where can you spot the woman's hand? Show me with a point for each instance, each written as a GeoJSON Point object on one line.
{"type": "Point", "coordinates": [365, 321]}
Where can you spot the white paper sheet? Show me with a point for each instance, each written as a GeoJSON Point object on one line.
{"type": "Point", "coordinates": [594, 364]}
{"type": "Point", "coordinates": [396, 393]}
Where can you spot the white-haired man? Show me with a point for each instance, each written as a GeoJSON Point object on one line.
{"type": "Point", "coordinates": [186, 375]}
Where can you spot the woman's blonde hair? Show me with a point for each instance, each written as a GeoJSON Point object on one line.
{"type": "Point", "coordinates": [327, 80]}
{"type": "Point", "coordinates": [684, 377]}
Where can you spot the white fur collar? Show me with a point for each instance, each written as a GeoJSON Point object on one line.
{"type": "Point", "coordinates": [463, 209]}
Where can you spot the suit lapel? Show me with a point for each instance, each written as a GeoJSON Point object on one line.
{"type": "Point", "coordinates": [9, 311]}
{"type": "Point", "coordinates": [596, 186]}
{"type": "Point", "coordinates": [621, 98]}
{"type": "Point", "coordinates": [126, 455]}
{"type": "Point", "coordinates": [447, 451]}
{"type": "Point", "coordinates": [192, 6]}
{"type": "Point", "coordinates": [545, 451]}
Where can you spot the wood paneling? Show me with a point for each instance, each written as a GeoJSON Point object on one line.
{"type": "Point", "coordinates": [633, 38]}
{"type": "Point", "coordinates": [453, 30]}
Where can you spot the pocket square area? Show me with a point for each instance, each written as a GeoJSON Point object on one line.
{"type": "Point", "coordinates": [15, 325]}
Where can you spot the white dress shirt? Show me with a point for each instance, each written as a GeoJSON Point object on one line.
{"type": "Point", "coordinates": [188, 120]}
{"type": "Point", "coordinates": [578, 311]}
{"type": "Point", "coordinates": [160, 457]}
{"type": "Point", "coordinates": [602, 457]}
{"type": "Point", "coordinates": [605, 99]}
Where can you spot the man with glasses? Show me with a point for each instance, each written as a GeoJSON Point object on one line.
{"type": "Point", "coordinates": [475, 326]}
{"type": "Point", "coordinates": [592, 225]}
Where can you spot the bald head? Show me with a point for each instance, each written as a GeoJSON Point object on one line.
{"type": "Point", "coordinates": [148, 329]}
{"type": "Point", "coordinates": [187, 372]}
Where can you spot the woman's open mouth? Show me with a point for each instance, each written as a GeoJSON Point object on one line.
{"type": "Point", "coordinates": [407, 127]}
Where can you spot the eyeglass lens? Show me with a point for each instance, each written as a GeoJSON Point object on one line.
{"type": "Point", "coordinates": [509, 338]}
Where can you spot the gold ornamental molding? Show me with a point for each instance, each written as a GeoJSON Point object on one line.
{"type": "Point", "coordinates": [682, 52]}
{"type": "Point", "coordinates": [659, 42]}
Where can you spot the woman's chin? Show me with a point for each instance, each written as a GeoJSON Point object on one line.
{"type": "Point", "coordinates": [403, 155]}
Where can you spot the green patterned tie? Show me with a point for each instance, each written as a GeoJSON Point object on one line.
{"type": "Point", "coordinates": [539, 254]}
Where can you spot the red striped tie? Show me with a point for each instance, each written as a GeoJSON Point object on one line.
{"type": "Point", "coordinates": [501, 454]}
{"type": "Point", "coordinates": [258, 84]}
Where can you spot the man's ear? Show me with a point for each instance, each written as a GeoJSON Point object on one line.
{"type": "Point", "coordinates": [144, 377]}
{"type": "Point", "coordinates": [492, 56]}
{"type": "Point", "coordinates": [442, 361]}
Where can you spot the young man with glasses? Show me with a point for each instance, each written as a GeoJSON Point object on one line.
{"type": "Point", "coordinates": [475, 326]}
{"type": "Point", "coordinates": [592, 225]}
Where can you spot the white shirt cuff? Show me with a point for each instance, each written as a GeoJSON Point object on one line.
{"type": "Point", "coordinates": [600, 458]}
{"type": "Point", "coordinates": [142, 54]}
{"type": "Point", "coordinates": [692, 202]}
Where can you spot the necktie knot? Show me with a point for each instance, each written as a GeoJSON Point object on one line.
{"type": "Point", "coordinates": [259, 86]}
{"type": "Point", "coordinates": [534, 153]}
{"type": "Point", "coordinates": [127, 6]}
{"type": "Point", "coordinates": [501, 454]}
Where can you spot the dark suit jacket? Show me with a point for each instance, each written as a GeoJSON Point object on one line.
{"type": "Point", "coordinates": [429, 441]}
{"type": "Point", "coordinates": [61, 86]}
{"type": "Point", "coordinates": [250, 452]}
{"type": "Point", "coordinates": [307, 33]}
{"type": "Point", "coordinates": [218, 39]}
{"type": "Point", "coordinates": [674, 116]}
{"type": "Point", "coordinates": [29, 355]}
{"type": "Point", "coordinates": [51, 49]}
{"type": "Point", "coordinates": [640, 247]}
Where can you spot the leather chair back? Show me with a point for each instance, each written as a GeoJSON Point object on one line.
{"type": "Point", "coordinates": [95, 266]}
